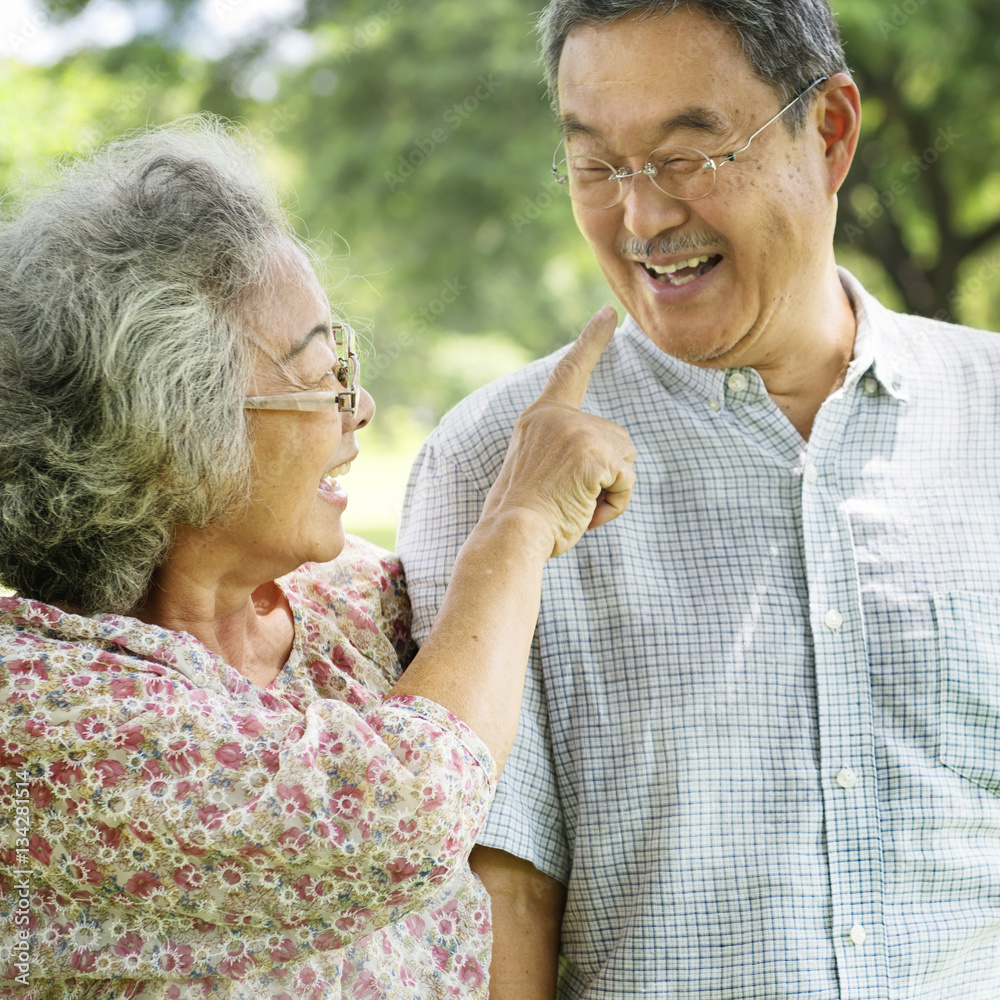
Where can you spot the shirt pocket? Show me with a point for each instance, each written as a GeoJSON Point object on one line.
{"type": "Point", "coordinates": [969, 686]}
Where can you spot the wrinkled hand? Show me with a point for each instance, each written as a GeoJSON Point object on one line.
{"type": "Point", "coordinates": [572, 470]}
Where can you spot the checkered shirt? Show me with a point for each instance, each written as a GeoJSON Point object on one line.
{"type": "Point", "coordinates": [760, 742]}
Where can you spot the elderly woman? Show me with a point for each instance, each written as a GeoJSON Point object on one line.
{"type": "Point", "coordinates": [218, 779]}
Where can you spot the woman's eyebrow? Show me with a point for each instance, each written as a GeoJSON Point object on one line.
{"type": "Point", "coordinates": [320, 328]}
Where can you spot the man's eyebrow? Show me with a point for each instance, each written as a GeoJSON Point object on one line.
{"type": "Point", "coordinates": [320, 328]}
{"type": "Point", "coordinates": [695, 118]}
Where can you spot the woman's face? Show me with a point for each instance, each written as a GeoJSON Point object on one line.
{"type": "Point", "coordinates": [296, 507]}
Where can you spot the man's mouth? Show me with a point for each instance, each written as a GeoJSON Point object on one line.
{"type": "Point", "coordinates": [683, 271]}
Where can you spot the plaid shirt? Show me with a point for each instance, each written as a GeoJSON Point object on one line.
{"type": "Point", "coordinates": [760, 741]}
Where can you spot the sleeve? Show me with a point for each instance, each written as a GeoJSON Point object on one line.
{"type": "Point", "coordinates": [152, 793]}
{"type": "Point", "coordinates": [441, 507]}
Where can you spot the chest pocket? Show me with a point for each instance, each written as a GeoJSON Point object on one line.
{"type": "Point", "coordinates": [969, 686]}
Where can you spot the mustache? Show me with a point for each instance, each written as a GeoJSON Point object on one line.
{"type": "Point", "coordinates": [697, 243]}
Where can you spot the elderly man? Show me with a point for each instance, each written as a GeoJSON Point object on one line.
{"type": "Point", "coordinates": [759, 753]}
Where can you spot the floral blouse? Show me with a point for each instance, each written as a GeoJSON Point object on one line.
{"type": "Point", "coordinates": [170, 831]}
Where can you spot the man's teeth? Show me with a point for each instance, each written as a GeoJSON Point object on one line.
{"type": "Point", "coordinates": [679, 266]}
{"type": "Point", "coordinates": [340, 470]}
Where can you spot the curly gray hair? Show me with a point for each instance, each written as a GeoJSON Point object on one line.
{"type": "Point", "coordinates": [789, 43]}
{"type": "Point", "coordinates": [124, 360]}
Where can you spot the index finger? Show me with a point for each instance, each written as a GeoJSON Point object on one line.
{"type": "Point", "coordinates": [571, 375]}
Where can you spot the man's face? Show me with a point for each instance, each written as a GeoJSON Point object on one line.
{"type": "Point", "coordinates": [634, 85]}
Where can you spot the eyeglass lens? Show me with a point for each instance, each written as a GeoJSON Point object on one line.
{"type": "Point", "coordinates": [679, 171]}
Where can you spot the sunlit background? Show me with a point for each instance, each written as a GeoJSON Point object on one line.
{"type": "Point", "coordinates": [413, 140]}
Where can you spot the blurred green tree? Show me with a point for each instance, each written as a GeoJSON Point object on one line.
{"type": "Point", "coordinates": [416, 136]}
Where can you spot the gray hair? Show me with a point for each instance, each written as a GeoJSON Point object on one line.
{"type": "Point", "coordinates": [124, 357]}
{"type": "Point", "coordinates": [789, 43]}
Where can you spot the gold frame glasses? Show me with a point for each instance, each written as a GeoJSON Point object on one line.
{"type": "Point", "coordinates": [681, 172]}
{"type": "Point", "coordinates": [347, 371]}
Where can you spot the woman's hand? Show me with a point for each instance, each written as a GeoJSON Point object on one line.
{"type": "Point", "coordinates": [571, 469]}
{"type": "Point", "coordinates": [565, 471]}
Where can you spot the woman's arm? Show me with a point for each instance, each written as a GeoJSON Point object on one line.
{"type": "Point", "coordinates": [565, 471]}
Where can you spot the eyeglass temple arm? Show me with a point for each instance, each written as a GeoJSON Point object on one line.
{"type": "Point", "coordinates": [729, 157]}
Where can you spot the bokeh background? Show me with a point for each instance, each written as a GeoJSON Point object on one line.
{"type": "Point", "coordinates": [413, 139]}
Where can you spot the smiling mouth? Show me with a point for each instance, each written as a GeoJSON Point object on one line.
{"type": "Point", "coordinates": [683, 271]}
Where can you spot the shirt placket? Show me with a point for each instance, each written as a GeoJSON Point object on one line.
{"type": "Point", "coordinates": [844, 699]}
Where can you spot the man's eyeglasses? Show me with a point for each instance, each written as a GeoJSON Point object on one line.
{"type": "Point", "coordinates": [347, 371]}
{"type": "Point", "coordinates": [679, 171]}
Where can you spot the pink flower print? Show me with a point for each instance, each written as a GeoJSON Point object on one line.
{"type": "Point", "coordinates": [231, 874]}
{"type": "Point", "coordinates": [36, 727]}
{"type": "Point", "coordinates": [39, 849]}
{"type": "Point", "coordinates": [236, 964]}
{"type": "Point", "coordinates": [481, 918]}
{"type": "Point", "coordinates": [177, 958]}
{"type": "Point", "coordinates": [400, 869]}
{"type": "Point", "coordinates": [415, 925]}
{"type": "Point", "coordinates": [110, 772]}
{"type": "Point", "coordinates": [406, 830]}
{"type": "Point", "coordinates": [362, 619]}
{"type": "Point", "coordinates": [327, 941]}
{"type": "Point", "coordinates": [193, 849]}
{"type": "Point", "coordinates": [271, 760]}
{"type": "Point", "coordinates": [294, 799]}
{"type": "Point", "coordinates": [41, 794]}
{"type": "Point", "coordinates": [406, 977]}
{"type": "Point", "coordinates": [455, 762]}
{"type": "Point", "coordinates": [283, 952]}
{"type": "Point", "coordinates": [346, 802]}
{"type": "Point", "coordinates": [152, 770]}
{"type": "Point", "coordinates": [85, 869]}
{"type": "Point", "coordinates": [25, 668]}
{"type": "Point", "coordinates": [230, 755]}
{"type": "Point", "coordinates": [83, 960]}
{"type": "Point", "coordinates": [128, 944]}
{"type": "Point", "coordinates": [293, 840]}
{"type": "Point", "coordinates": [142, 829]}
{"type": "Point", "coordinates": [128, 738]}
{"type": "Point", "coordinates": [182, 756]}
{"type": "Point", "coordinates": [445, 917]}
{"type": "Point", "coordinates": [109, 836]}
{"type": "Point", "coordinates": [210, 816]}
{"type": "Point", "coordinates": [159, 687]}
{"type": "Point", "coordinates": [368, 987]}
{"type": "Point", "coordinates": [378, 772]}
{"type": "Point", "coordinates": [306, 976]}
{"type": "Point", "coordinates": [440, 957]}
{"type": "Point", "coordinates": [470, 972]}
{"type": "Point", "coordinates": [202, 925]}
{"type": "Point", "coordinates": [142, 884]}
{"type": "Point", "coordinates": [123, 687]}
{"type": "Point", "coordinates": [189, 877]}
{"type": "Point", "coordinates": [432, 797]}
{"type": "Point", "coordinates": [65, 772]}
{"type": "Point", "coordinates": [248, 725]}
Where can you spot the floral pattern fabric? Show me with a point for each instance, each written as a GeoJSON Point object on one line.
{"type": "Point", "coordinates": [181, 833]}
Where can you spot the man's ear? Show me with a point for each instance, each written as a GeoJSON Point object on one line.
{"type": "Point", "coordinates": [837, 114]}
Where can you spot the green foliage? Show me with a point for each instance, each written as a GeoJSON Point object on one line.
{"type": "Point", "coordinates": [415, 136]}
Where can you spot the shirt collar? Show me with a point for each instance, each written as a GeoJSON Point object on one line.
{"type": "Point", "coordinates": [879, 351]}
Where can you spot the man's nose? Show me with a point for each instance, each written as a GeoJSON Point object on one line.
{"type": "Point", "coordinates": [647, 210]}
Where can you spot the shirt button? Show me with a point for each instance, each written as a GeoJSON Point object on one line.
{"type": "Point", "coordinates": [833, 619]}
{"type": "Point", "coordinates": [737, 382]}
{"type": "Point", "coordinates": [869, 385]}
{"type": "Point", "coordinates": [846, 778]}
{"type": "Point", "coordinates": [811, 473]}
{"type": "Point", "coordinates": [858, 934]}
{"type": "Point", "coordinates": [713, 404]}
